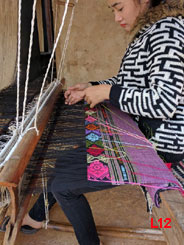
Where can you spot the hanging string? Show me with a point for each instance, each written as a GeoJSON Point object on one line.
{"type": "Point", "coordinates": [120, 131]}
{"type": "Point", "coordinates": [56, 19]}
{"type": "Point", "coordinates": [112, 112]}
{"type": "Point", "coordinates": [44, 178]}
{"type": "Point", "coordinates": [50, 62]}
{"type": "Point", "coordinates": [28, 64]}
{"type": "Point", "coordinates": [18, 62]}
{"type": "Point", "coordinates": [45, 165]}
{"type": "Point", "coordinates": [62, 61]}
{"type": "Point", "coordinates": [45, 195]}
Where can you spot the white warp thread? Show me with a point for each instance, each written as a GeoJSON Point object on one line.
{"type": "Point", "coordinates": [52, 72]}
{"type": "Point", "coordinates": [50, 62]}
{"type": "Point", "coordinates": [28, 64]}
{"type": "Point", "coordinates": [18, 62]}
{"type": "Point", "coordinates": [62, 61]}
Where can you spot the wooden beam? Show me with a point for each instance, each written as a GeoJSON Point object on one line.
{"type": "Point", "coordinates": [13, 227]}
{"type": "Point", "coordinates": [40, 25]}
{"type": "Point", "coordinates": [172, 207]}
{"type": "Point", "coordinates": [49, 27]}
{"type": "Point", "coordinates": [117, 232]}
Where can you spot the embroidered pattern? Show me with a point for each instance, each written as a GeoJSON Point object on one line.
{"type": "Point", "coordinates": [117, 152]}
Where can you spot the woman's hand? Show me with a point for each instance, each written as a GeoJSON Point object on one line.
{"type": "Point", "coordinates": [74, 97]}
{"type": "Point", "coordinates": [80, 86]}
{"type": "Point", "coordinates": [97, 94]}
{"type": "Point", "coordinates": [75, 93]}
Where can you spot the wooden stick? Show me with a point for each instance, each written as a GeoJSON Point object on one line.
{"type": "Point", "coordinates": [172, 207]}
{"type": "Point", "coordinates": [48, 24]}
{"type": "Point", "coordinates": [117, 232]}
{"type": "Point", "coordinates": [13, 228]}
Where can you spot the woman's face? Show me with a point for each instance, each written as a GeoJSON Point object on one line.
{"type": "Point", "coordinates": [127, 11]}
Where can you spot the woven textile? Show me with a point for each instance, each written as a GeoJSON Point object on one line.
{"type": "Point", "coordinates": [118, 152]}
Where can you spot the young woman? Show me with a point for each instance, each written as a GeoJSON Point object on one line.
{"type": "Point", "coordinates": [149, 86]}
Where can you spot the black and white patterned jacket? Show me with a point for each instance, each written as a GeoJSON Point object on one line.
{"type": "Point", "coordinates": [150, 85]}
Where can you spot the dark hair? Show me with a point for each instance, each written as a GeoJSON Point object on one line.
{"type": "Point", "coordinates": [156, 2]}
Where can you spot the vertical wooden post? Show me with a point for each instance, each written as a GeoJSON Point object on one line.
{"type": "Point", "coordinates": [49, 26]}
{"type": "Point", "coordinates": [13, 215]}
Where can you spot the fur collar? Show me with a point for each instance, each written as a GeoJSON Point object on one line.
{"type": "Point", "coordinates": [166, 9]}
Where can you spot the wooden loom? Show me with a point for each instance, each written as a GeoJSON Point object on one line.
{"type": "Point", "coordinates": [14, 168]}
{"type": "Point", "coordinates": [11, 174]}
{"type": "Point", "coordinates": [11, 179]}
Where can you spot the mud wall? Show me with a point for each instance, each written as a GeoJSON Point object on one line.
{"type": "Point", "coordinates": [96, 43]}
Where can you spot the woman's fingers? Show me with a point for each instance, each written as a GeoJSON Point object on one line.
{"type": "Point", "coordinates": [97, 94]}
{"type": "Point", "coordinates": [80, 87]}
{"type": "Point", "coordinates": [76, 87]}
{"type": "Point", "coordinates": [92, 95]}
{"type": "Point", "coordinates": [87, 99]}
{"type": "Point", "coordinates": [67, 93]}
{"type": "Point", "coordinates": [74, 97]}
{"type": "Point", "coordinates": [92, 103]}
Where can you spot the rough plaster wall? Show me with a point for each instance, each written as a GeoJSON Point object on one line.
{"type": "Point", "coordinates": [96, 43]}
{"type": "Point", "coordinates": [8, 41]}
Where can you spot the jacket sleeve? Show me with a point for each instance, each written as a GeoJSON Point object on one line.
{"type": "Point", "coordinates": [110, 81]}
{"type": "Point", "coordinates": [166, 80]}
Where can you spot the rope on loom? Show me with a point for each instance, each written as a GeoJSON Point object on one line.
{"type": "Point", "coordinates": [43, 170]}
{"type": "Point", "coordinates": [50, 62]}
{"type": "Point", "coordinates": [4, 193]}
{"type": "Point", "coordinates": [41, 100]}
{"type": "Point", "coordinates": [9, 147]}
{"type": "Point", "coordinates": [18, 61]}
{"type": "Point", "coordinates": [29, 62]}
{"type": "Point", "coordinates": [52, 71]}
{"type": "Point", "coordinates": [61, 65]}
{"type": "Point", "coordinates": [6, 153]}
{"type": "Point", "coordinates": [62, 60]}
{"type": "Point", "coordinates": [45, 195]}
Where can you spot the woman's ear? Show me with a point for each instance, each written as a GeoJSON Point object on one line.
{"type": "Point", "coordinates": [146, 1]}
{"type": "Point", "coordinates": [146, 4]}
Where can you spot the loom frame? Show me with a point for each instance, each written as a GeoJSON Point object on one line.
{"type": "Point", "coordinates": [18, 161]}
{"type": "Point", "coordinates": [169, 208]}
